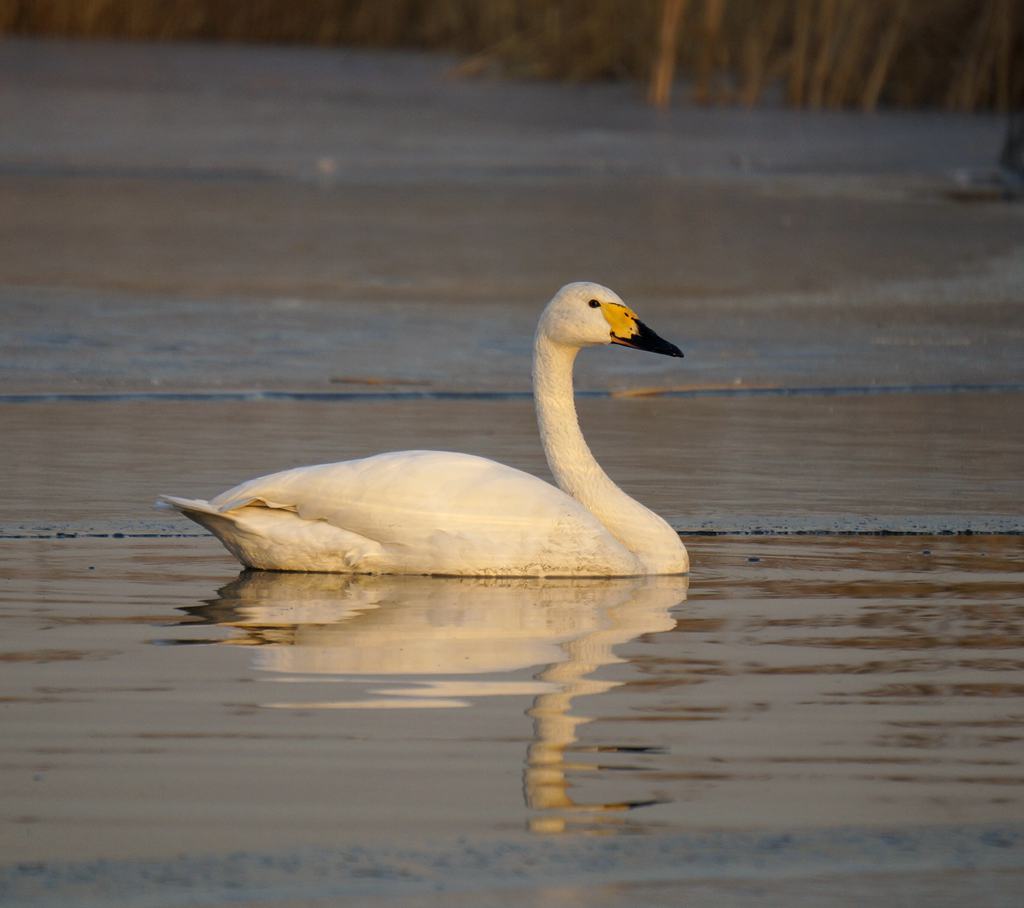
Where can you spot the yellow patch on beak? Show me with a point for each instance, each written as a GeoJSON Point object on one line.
{"type": "Point", "coordinates": [622, 320]}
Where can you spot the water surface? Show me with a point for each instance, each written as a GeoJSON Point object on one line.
{"type": "Point", "coordinates": [157, 701]}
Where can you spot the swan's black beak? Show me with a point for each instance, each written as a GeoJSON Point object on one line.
{"type": "Point", "coordinates": [643, 338]}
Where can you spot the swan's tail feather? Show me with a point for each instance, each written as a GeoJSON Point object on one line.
{"type": "Point", "coordinates": [187, 506]}
{"type": "Point", "coordinates": [202, 512]}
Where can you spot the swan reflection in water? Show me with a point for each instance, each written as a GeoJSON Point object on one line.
{"type": "Point", "coordinates": [454, 638]}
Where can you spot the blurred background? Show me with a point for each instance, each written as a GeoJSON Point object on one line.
{"type": "Point", "coordinates": [953, 54]}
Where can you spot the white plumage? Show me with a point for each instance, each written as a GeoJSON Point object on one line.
{"type": "Point", "coordinates": [435, 512]}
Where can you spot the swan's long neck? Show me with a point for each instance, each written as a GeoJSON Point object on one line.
{"type": "Point", "coordinates": [576, 471]}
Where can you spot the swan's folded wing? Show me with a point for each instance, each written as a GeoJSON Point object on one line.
{"type": "Point", "coordinates": [407, 493]}
{"type": "Point", "coordinates": [449, 511]}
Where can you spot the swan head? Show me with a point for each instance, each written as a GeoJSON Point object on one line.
{"type": "Point", "coordinates": [584, 314]}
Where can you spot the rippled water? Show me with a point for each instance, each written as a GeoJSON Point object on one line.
{"type": "Point", "coordinates": [156, 700]}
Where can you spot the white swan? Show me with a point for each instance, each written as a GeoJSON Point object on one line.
{"type": "Point", "coordinates": [435, 512]}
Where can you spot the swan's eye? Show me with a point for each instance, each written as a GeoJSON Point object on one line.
{"type": "Point", "coordinates": [593, 304]}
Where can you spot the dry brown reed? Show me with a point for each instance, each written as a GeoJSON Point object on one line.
{"type": "Point", "coordinates": [663, 74]}
{"type": "Point", "coordinates": [959, 54]}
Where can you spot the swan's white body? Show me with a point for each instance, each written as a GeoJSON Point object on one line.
{"type": "Point", "coordinates": [435, 512]}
